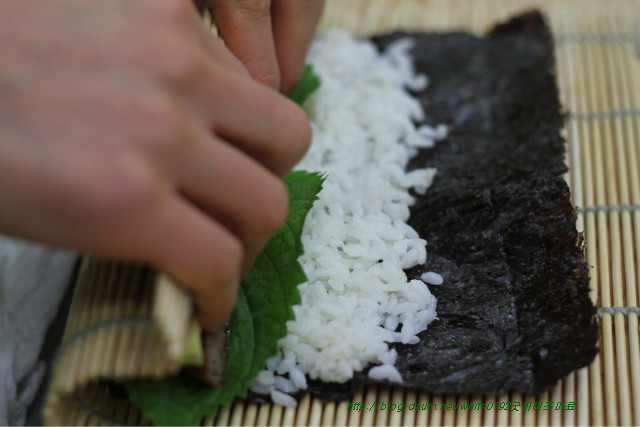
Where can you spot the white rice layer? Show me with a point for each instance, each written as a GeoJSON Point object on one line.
{"type": "Point", "coordinates": [357, 243]}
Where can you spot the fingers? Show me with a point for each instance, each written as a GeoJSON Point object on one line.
{"type": "Point", "coordinates": [245, 26]}
{"type": "Point", "coordinates": [242, 139]}
{"type": "Point", "coordinates": [270, 37]}
{"type": "Point", "coordinates": [157, 147]}
{"type": "Point", "coordinates": [258, 136]}
{"type": "Point", "coordinates": [199, 253]}
{"type": "Point", "coordinates": [215, 87]}
{"type": "Point", "coordinates": [241, 194]}
{"type": "Point", "coordinates": [267, 126]}
{"type": "Point", "coordinates": [216, 49]}
{"type": "Point", "coordinates": [225, 208]}
{"type": "Point", "coordinates": [294, 23]}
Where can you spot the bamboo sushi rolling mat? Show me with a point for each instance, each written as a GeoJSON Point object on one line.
{"type": "Point", "coordinates": [598, 71]}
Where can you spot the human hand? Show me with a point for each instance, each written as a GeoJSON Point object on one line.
{"type": "Point", "coordinates": [270, 37]}
{"type": "Point", "coordinates": [127, 130]}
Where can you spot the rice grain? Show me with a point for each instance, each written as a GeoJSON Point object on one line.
{"type": "Point", "coordinates": [356, 240]}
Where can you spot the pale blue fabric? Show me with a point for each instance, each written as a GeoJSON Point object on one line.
{"type": "Point", "coordinates": [33, 280]}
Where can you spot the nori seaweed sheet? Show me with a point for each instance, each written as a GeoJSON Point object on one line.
{"type": "Point", "coordinates": [514, 311]}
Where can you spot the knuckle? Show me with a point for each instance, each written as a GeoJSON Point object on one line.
{"type": "Point", "coordinates": [232, 257]}
{"type": "Point", "coordinates": [176, 11]}
{"type": "Point", "coordinates": [228, 261]}
{"type": "Point", "coordinates": [133, 187]}
{"type": "Point", "coordinates": [270, 79]}
{"type": "Point", "coordinates": [216, 297]}
{"type": "Point", "coordinates": [274, 206]}
{"type": "Point", "coordinates": [254, 6]}
{"type": "Point", "coordinates": [256, 9]}
{"type": "Point", "coordinates": [216, 289]}
{"type": "Point", "coordinates": [123, 190]}
{"type": "Point", "coordinates": [162, 127]}
{"type": "Point", "coordinates": [300, 133]}
{"type": "Point", "coordinates": [289, 76]}
{"type": "Point", "coordinates": [154, 108]}
{"type": "Point", "coordinates": [179, 62]}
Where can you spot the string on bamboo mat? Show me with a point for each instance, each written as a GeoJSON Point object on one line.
{"type": "Point", "coordinates": [617, 309]}
{"type": "Point", "coordinates": [606, 114]}
{"type": "Point", "coordinates": [636, 35]}
{"type": "Point", "coordinates": [105, 324]}
{"type": "Point", "coordinates": [595, 38]}
{"type": "Point", "coordinates": [609, 208]}
{"type": "Point", "coordinates": [125, 321]}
